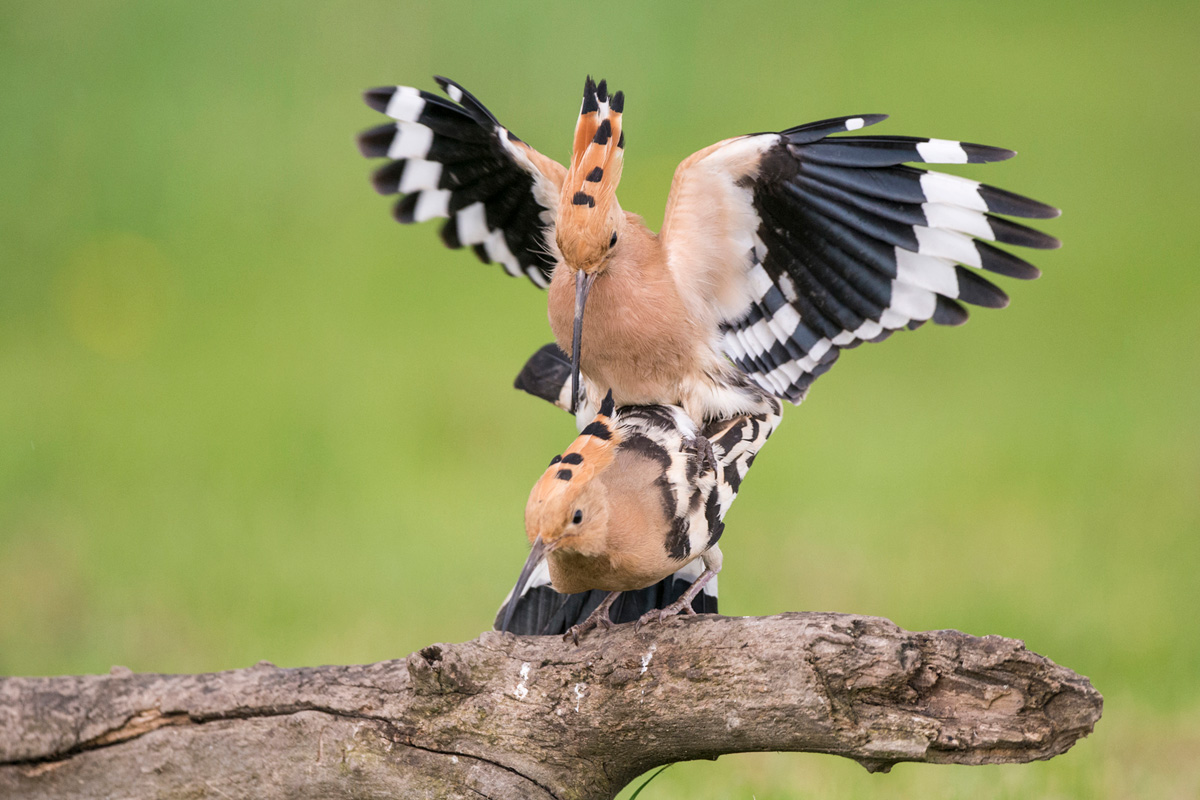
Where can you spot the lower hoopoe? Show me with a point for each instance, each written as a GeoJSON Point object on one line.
{"type": "Point", "coordinates": [639, 497]}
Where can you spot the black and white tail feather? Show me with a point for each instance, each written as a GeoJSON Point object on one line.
{"type": "Point", "coordinates": [541, 610]}
{"type": "Point", "coordinates": [845, 244]}
{"type": "Point", "coordinates": [452, 158]}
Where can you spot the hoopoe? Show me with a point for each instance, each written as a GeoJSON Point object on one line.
{"type": "Point", "coordinates": [777, 250]}
{"type": "Point", "coordinates": [632, 503]}
{"type": "Point", "coordinates": [537, 608]}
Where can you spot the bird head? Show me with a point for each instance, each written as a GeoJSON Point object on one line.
{"type": "Point", "coordinates": [568, 507]}
{"type": "Point", "coordinates": [589, 218]}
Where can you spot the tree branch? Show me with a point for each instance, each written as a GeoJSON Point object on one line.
{"type": "Point", "coordinates": [532, 717]}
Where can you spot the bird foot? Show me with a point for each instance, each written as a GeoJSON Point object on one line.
{"type": "Point", "coordinates": [704, 451]}
{"type": "Point", "coordinates": [597, 619]}
{"type": "Point", "coordinates": [681, 606]}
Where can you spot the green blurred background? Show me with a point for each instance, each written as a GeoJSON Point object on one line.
{"type": "Point", "coordinates": [244, 415]}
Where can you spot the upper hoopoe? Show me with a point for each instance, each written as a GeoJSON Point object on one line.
{"type": "Point", "coordinates": [777, 249]}
{"type": "Point", "coordinates": [632, 501]}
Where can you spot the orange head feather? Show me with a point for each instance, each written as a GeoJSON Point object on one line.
{"type": "Point", "coordinates": [588, 213]}
{"type": "Point", "coordinates": [568, 488]}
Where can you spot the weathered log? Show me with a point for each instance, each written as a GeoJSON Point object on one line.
{"type": "Point", "coordinates": [534, 717]}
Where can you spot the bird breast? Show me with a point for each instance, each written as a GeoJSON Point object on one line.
{"type": "Point", "coordinates": [638, 338]}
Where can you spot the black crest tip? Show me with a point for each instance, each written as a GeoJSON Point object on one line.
{"type": "Point", "coordinates": [607, 407]}
{"type": "Point", "coordinates": [590, 104]}
{"type": "Point", "coordinates": [603, 133]}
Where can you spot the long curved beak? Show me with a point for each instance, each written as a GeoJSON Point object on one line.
{"type": "Point", "coordinates": [536, 554]}
{"type": "Point", "coordinates": [583, 285]}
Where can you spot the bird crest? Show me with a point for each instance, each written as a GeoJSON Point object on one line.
{"type": "Point", "coordinates": [588, 204]}
{"type": "Point", "coordinates": [570, 473]}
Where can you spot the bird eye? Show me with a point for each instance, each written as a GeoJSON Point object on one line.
{"type": "Point", "coordinates": [578, 518]}
{"type": "Point", "coordinates": [613, 241]}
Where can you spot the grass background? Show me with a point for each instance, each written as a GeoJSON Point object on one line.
{"type": "Point", "coordinates": [243, 415]}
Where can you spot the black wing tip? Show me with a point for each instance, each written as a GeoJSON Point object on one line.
{"type": "Point", "coordinates": [386, 179]}
{"type": "Point", "coordinates": [545, 373]}
{"type": "Point", "coordinates": [948, 312]}
{"type": "Point", "coordinates": [985, 154]}
{"type": "Point", "coordinates": [1009, 232]}
{"type": "Point", "coordinates": [979, 291]}
{"type": "Point", "coordinates": [811, 132]}
{"type": "Point", "coordinates": [404, 211]}
{"type": "Point", "coordinates": [1002, 262]}
{"type": "Point", "coordinates": [379, 97]}
{"type": "Point", "coordinates": [1042, 241]}
{"type": "Point", "coordinates": [374, 142]}
{"type": "Point", "coordinates": [1015, 205]}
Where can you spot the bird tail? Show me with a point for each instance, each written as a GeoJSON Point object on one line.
{"type": "Point", "coordinates": [535, 609]}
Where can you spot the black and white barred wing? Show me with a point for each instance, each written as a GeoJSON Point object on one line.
{"type": "Point", "coordinates": [452, 158]}
{"type": "Point", "coordinates": [810, 244]}
{"type": "Point", "coordinates": [736, 443]}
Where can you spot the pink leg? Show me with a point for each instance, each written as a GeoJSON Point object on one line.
{"type": "Point", "coordinates": [597, 619]}
{"type": "Point", "coordinates": [682, 605]}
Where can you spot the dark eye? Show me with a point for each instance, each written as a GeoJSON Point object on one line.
{"type": "Point", "coordinates": [578, 518]}
{"type": "Point", "coordinates": [613, 241]}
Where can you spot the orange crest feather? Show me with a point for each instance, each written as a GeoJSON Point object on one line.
{"type": "Point", "coordinates": [588, 203]}
{"type": "Point", "coordinates": [568, 475]}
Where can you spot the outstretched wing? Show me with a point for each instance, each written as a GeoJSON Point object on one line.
{"type": "Point", "coordinates": [452, 158]}
{"type": "Point", "coordinates": [808, 244]}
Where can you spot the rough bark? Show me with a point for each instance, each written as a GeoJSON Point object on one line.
{"type": "Point", "coordinates": [533, 717]}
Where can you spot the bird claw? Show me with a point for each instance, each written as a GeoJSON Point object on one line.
{"type": "Point", "coordinates": [704, 451]}
{"type": "Point", "coordinates": [681, 606]}
{"type": "Point", "coordinates": [597, 619]}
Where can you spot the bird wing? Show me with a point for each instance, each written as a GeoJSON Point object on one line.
{"type": "Point", "coordinates": [547, 374]}
{"type": "Point", "coordinates": [802, 244]}
{"type": "Point", "coordinates": [452, 158]}
{"type": "Point", "coordinates": [736, 443]}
